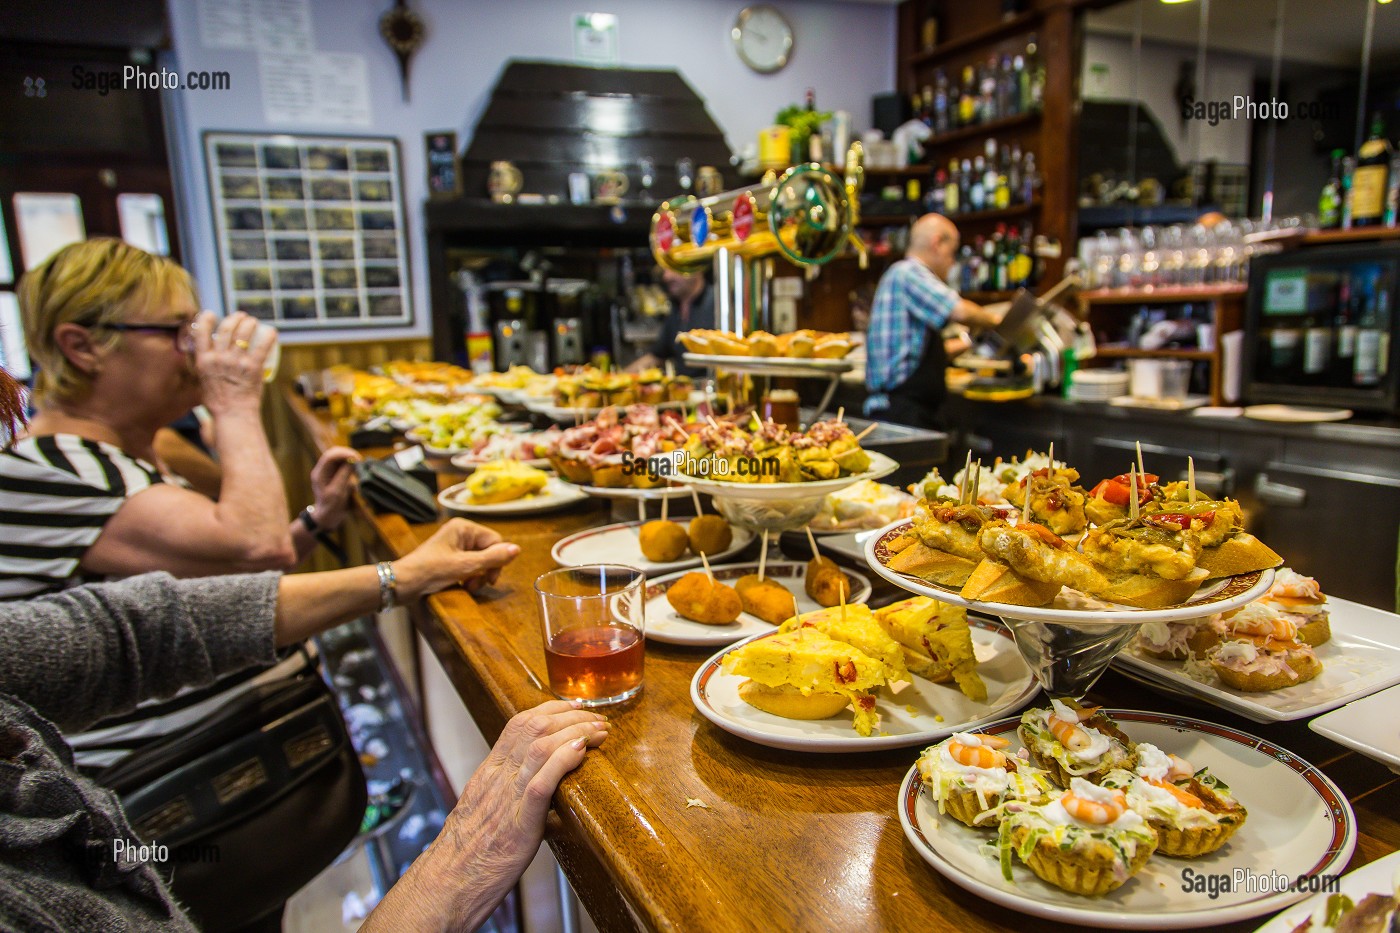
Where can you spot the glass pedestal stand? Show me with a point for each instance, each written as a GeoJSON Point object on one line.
{"type": "Point", "coordinates": [1069, 645]}
{"type": "Point", "coordinates": [1068, 658]}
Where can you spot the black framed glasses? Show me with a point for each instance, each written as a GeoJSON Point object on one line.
{"type": "Point", "coordinates": [179, 333]}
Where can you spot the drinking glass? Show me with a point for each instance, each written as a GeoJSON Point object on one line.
{"type": "Point", "coordinates": [594, 619]}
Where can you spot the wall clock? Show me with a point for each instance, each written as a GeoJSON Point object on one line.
{"type": "Point", "coordinates": [763, 38]}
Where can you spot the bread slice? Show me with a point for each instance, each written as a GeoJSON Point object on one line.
{"type": "Point", "coordinates": [1241, 553]}
{"type": "Point", "coordinates": [1316, 631]}
{"type": "Point", "coordinates": [695, 341]}
{"type": "Point", "coordinates": [762, 343]}
{"type": "Point", "coordinates": [994, 582]}
{"type": "Point", "coordinates": [1144, 591]}
{"type": "Point", "coordinates": [1300, 658]}
{"type": "Point", "coordinates": [932, 565]}
{"type": "Point", "coordinates": [788, 702]}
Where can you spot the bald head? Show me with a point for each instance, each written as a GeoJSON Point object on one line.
{"type": "Point", "coordinates": [933, 240]}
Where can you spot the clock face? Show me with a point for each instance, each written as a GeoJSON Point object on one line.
{"type": "Point", "coordinates": [763, 38]}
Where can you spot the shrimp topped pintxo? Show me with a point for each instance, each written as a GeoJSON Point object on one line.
{"type": "Point", "coordinates": [1069, 742]}
{"type": "Point", "coordinates": [971, 776]}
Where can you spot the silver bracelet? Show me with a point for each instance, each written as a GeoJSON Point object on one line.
{"type": "Point", "coordinates": [388, 586]}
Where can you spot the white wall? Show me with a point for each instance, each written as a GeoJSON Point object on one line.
{"type": "Point", "coordinates": [1108, 75]}
{"type": "Point", "coordinates": [845, 50]}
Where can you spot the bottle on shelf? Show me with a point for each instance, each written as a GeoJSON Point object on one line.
{"type": "Point", "coordinates": [937, 197]}
{"type": "Point", "coordinates": [929, 31]}
{"type": "Point", "coordinates": [1348, 193]}
{"type": "Point", "coordinates": [1368, 183]}
{"type": "Point", "coordinates": [965, 186]}
{"type": "Point", "coordinates": [1329, 202]}
{"type": "Point", "coordinates": [1392, 192]}
{"type": "Point", "coordinates": [977, 189]}
{"type": "Point", "coordinates": [967, 103]}
{"type": "Point", "coordinates": [1008, 93]}
{"type": "Point", "coordinates": [951, 196]}
{"type": "Point", "coordinates": [1035, 82]}
{"type": "Point", "coordinates": [940, 102]}
{"type": "Point", "coordinates": [988, 90]}
{"type": "Point", "coordinates": [1317, 345]}
{"type": "Point", "coordinates": [1371, 326]}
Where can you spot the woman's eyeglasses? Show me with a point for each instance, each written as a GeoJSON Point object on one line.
{"type": "Point", "coordinates": [180, 333]}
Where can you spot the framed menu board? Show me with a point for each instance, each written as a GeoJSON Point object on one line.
{"type": "Point", "coordinates": [310, 229]}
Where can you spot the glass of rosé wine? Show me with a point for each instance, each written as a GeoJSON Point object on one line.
{"type": "Point", "coordinates": [594, 619]}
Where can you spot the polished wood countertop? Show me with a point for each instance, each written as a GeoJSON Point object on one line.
{"type": "Point", "coordinates": [786, 841]}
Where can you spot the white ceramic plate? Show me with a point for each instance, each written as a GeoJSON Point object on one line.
{"type": "Point", "coordinates": [905, 719]}
{"type": "Point", "coordinates": [1071, 606]}
{"type": "Point", "coordinates": [1362, 657]}
{"type": "Point", "coordinates": [546, 407]}
{"type": "Point", "coordinates": [617, 544]}
{"type": "Point", "coordinates": [465, 463]}
{"type": "Point", "coordinates": [1368, 726]}
{"type": "Point", "coordinates": [1294, 414]}
{"type": "Point", "coordinates": [556, 494]}
{"type": "Point", "coordinates": [666, 625]}
{"type": "Point", "coordinates": [1378, 877]}
{"type": "Point", "coordinates": [1299, 823]}
{"type": "Point", "coordinates": [655, 493]}
{"type": "Point", "coordinates": [772, 365]}
{"type": "Point", "coordinates": [880, 465]}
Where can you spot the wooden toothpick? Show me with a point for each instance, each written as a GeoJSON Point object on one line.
{"type": "Point", "coordinates": [695, 497]}
{"type": "Point", "coordinates": [812, 541]}
{"type": "Point", "coordinates": [1190, 479]}
{"type": "Point", "coordinates": [840, 414]}
{"type": "Point", "coordinates": [708, 572]}
{"type": "Point", "coordinates": [966, 476]}
{"type": "Point", "coordinates": [1051, 455]}
{"type": "Point", "coordinates": [868, 428]}
{"type": "Point", "coordinates": [976, 480]}
{"type": "Point", "coordinates": [763, 556]}
{"type": "Point", "coordinates": [665, 504]}
{"type": "Point", "coordinates": [1132, 491]}
{"type": "Point", "coordinates": [1141, 469]}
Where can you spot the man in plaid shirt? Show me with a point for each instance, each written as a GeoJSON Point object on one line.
{"type": "Point", "coordinates": [905, 357]}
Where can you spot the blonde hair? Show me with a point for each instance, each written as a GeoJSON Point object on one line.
{"type": "Point", "coordinates": [98, 281]}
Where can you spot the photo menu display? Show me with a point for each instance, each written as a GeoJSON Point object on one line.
{"type": "Point", "coordinates": [310, 229]}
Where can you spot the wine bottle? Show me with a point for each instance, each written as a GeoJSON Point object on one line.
{"type": "Point", "coordinates": [1369, 180]}
{"type": "Point", "coordinates": [1329, 203]}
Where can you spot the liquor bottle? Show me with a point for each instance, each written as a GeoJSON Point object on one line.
{"type": "Point", "coordinates": [989, 175]}
{"type": "Point", "coordinates": [965, 186]}
{"type": "Point", "coordinates": [1035, 86]}
{"type": "Point", "coordinates": [1030, 180]}
{"type": "Point", "coordinates": [1329, 203]}
{"type": "Point", "coordinates": [940, 103]}
{"type": "Point", "coordinates": [1367, 369]}
{"type": "Point", "coordinates": [1344, 325]}
{"type": "Point", "coordinates": [954, 104]}
{"type": "Point", "coordinates": [1369, 180]}
{"type": "Point", "coordinates": [1013, 173]}
{"type": "Point", "coordinates": [1008, 94]}
{"type": "Point", "coordinates": [989, 262]}
{"type": "Point", "coordinates": [1392, 192]}
{"type": "Point", "coordinates": [1348, 199]}
{"type": "Point", "coordinates": [1317, 345]}
{"type": "Point", "coordinates": [811, 100]}
{"type": "Point", "coordinates": [930, 32]}
{"type": "Point", "coordinates": [1023, 81]}
{"type": "Point", "coordinates": [977, 190]}
{"type": "Point", "coordinates": [967, 104]}
{"type": "Point", "coordinates": [938, 193]}
{"type": "Point", "coordinates": [926, 107]}
{"type": "Point", "coordinates": [988, 90]}
{"type": "Point", "coordinates": [951, 200]}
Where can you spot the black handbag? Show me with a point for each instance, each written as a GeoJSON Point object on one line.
{"type": "Point", "coordinates": [252, 802]}
{"type": "Point", "coordinates": [389, 488]}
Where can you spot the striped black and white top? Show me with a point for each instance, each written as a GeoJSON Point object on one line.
{"type": "Point", "coordinates": [56, 494]}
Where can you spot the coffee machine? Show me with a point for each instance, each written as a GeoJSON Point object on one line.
{"type": "Point", "coordinates": [510, 324]}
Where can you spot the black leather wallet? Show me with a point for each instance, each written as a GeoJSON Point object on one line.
{"type": "Point", "coordinates": [388, 488]}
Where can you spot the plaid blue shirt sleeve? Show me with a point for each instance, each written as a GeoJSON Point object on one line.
{"type": "Point", "coordinates": [909, 300]}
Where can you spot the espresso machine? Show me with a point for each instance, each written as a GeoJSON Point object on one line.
{"type": "Point", "coordinates": [512, 307]}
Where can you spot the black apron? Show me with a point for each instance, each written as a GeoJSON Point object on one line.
{"type": "Point", "coordinates": [917, 401]}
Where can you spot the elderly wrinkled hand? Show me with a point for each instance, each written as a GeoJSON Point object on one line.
{"type": "Point", "coordinates": [229, 357]}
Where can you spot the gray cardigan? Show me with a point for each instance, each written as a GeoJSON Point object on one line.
{"type": "Point", "coordinates": [73, 658]}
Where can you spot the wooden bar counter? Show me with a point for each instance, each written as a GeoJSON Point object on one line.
{"type": "Point", "coordinates": [784, 841]}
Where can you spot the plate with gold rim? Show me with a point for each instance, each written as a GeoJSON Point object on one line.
{"type": "Point", "coordinates": [1300, 826]}
{"type": "Point", "coordinates": [1219, 595]}
{"type": "Point", "coordinates": [920, 713]}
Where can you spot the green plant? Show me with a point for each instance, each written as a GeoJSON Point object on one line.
{"type": "Point", "coordinates": [804, 122]}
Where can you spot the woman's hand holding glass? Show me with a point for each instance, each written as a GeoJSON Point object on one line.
{"type": "Point", "coordinates": [230, 357]}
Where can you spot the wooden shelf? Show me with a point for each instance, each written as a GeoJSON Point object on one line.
{"type": "Point", "coordinates": [887, 220]}
{"type": "Point", "coordinates": [978, 129]}
{"type": "Point", "coordinates": [1134, 353]}
{"type": "Point", "coordinates": [1351, 236]}
{"type": "Point", "coordinates": [999, 213]}
{"type": "Point", "coordinates": [1116, 296]}
{"type": "Point", "coordinates": [1022, 22]}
